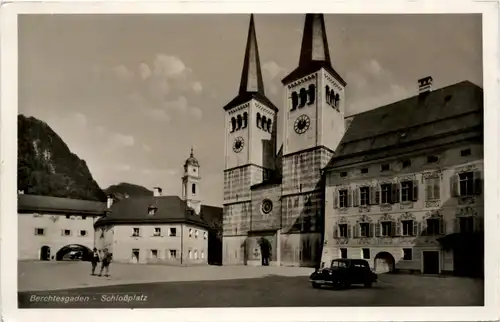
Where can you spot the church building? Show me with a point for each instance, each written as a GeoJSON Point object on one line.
{"type": "Point", "coordinates": [368, 186]}
{"type": "Point", "coordinates": [162, 229]}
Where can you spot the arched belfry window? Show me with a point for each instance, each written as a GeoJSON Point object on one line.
{"type": "Point", "coordinates": [239, 122]}
{"type": "Point", "coordinates": [337, 99]}
{"type": "Point", "coordinates": [327, 93]}
{"type": "Point", "coordinates": [258, 120]}
{"type": "Point", "coordinates": [295, 100]}
{"type": "Point", "coordinates": [303, 97]}
{"type": "Point", "coordinates": [245, 120]}
{"type": "Point", "coordinates": [193, 188]}
{"type": "Point", "coordinates": [332, 97]}
{"type": "Point", "coordinates": [269, 125]}
{"type": "Point", "coordinates": [264, 122]}
{"type": "Point", "coordinates": [233, 124]}
{"type": "Point", "coordinates": [311, 93]}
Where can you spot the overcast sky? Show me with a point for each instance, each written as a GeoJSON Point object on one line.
{"type": "Point", "coordinates": [131, 94]}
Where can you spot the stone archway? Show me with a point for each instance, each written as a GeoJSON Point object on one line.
{"type": "Point", "coordinates": [74, 251]}
{"type": "Point", "coordinates": [384, 263]}
{"type": "Point", "coordinates": [45, 253]}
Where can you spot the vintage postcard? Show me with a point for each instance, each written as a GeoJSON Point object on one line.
{"type": "Point", "coordinates": [260, 163]}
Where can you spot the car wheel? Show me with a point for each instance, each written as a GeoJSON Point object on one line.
{"type": "Point", "coordinates": [368, 285]}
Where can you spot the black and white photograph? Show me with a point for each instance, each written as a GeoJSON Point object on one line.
{"type": "Point", "coordinates": [251, 160]}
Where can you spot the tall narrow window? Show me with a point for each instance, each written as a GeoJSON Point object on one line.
{"type": "Point", "coordinates": [343, 198]}
{"type": "Point", "coordinates": [311, 93]}
{"type": "Point", "coordinates": [264, 122]}
{"type": "Point", "coordinates": [245, 120]}
{"type": "Point", "coordinates": [332, 97]}
{"type": "Point", "coordinates": [385, 189]}
{"type": "Point", "coordinates": [193, 188]}
{"type": "Point", "coordinates": [327, 92]}
{"type": "Point", "coordinates": [466, 184]}
{"type": "Point", "coordinates": [432, 189]}
{"type": "Point", "coordinates": [269, 125]}
{"type": "Point", "coordinates": [233, 124]}
{"type": "Point", "coordinates": [303, 97]}
{"type": "Point", "coordinates": [240, 122]}
{"type": "Point", "coordinates": [258, 120]}
{"type": "Point", "coordinates": [364, 196]}
{"type": "Point", "coordinates": [337, 100]}
{"type": "Point", "coordinates": [295, 100]}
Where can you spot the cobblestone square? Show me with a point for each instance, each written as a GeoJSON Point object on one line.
{"type": "Point", "coordinates": [228, 286]}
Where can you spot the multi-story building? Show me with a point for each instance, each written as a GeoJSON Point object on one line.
{"type": "Point", "coordinates": [160, 229]}
{"type": "Point", "coordinates": [384, 185]}
{"type": "Point", "coordinates": [49, 227]}
{"type": "Point", "coordinates": [406, 175]}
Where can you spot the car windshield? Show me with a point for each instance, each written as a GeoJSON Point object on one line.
{"type": "Point", "coordinates": [336, 263]}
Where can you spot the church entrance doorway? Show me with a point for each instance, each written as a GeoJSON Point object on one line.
{"type": "Point", "coordinates": [45, 253]}
{"type": "Point", "coordinates": [265, 251]}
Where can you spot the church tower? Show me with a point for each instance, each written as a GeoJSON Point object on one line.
{"type": "Point", "coordinates": [250, 149]}
{"type": "Point", "coordinates": [313, 127]}
{"type": "Point", "coordinates": [191, 184]}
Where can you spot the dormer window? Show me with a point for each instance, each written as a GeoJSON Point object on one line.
{"type": "Point", "coordinates": [152, 210]}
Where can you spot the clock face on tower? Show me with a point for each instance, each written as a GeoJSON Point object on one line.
{"type": "Point", "coordinates": [302, 124]}
{"type": "Point", "coordinates": [238, 144]}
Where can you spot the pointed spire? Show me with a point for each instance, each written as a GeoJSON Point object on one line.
{"type": "Point", "coordinates": [192, 153]}
{"type": "Point", "coordinates": [314, 40]}
{"type": "Point", "coordinates": [251, 76]}
{"type": "Point", "coordinates": [314, 53]}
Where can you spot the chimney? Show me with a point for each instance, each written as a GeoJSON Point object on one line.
{"type": "Point", "coordinates": [424, 85]}
{"type": "Point", "coordinates": [157, 192]}
{"type": "Point", "coordinates": [110, 201]}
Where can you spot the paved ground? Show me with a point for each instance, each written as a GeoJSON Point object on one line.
{"type": "Point", "coordinates": [239, 287]}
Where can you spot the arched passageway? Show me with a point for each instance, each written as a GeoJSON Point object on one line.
{"type": "Point", "coordinates": [74, 252]}
{"type": "Point", "coordinates": [384, 263]}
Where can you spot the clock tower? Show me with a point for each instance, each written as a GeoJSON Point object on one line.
{"type": "Point", "coordinates": [313, 127]}
{"type": "Point", "coordinates": [250, 149]}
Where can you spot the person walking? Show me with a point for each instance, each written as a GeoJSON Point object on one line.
{"type": "Point", "coordinates": [94, 260]}
{"type": "Point", "coordinates": [106, 260]}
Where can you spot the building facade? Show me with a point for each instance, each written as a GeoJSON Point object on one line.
{"type": "Point", "coordinates": [49, 227]}
{"type": "Point", "coordinates": [160, 229]}
{"type": "Point", "coordinates": [276, 199]}
{"type": "Point", "coordinates": [399, 185]}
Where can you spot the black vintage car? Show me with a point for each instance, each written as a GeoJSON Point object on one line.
{"type": "Point", "coordinates": [342, 273]}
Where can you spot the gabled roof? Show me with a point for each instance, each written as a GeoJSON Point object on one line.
{"type": "Point", "coordinates": [46, 204]}
{"type": "Point", "coordinates": [420, 121]}
{"type": "Point", "coordinates": [251, 84]}
{"type": "Point", "coordinates": [169, 209]}
{"type": "Point", "coordinates": [314, 51]}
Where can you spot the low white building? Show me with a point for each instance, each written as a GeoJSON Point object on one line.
{"type": "Point", "coordinates": [48, 227]}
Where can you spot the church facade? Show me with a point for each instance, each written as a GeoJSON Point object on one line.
{"type": "Point", "coordinates": [276, 199]}
{"type": "Point", "coordinates": [350, 186]}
